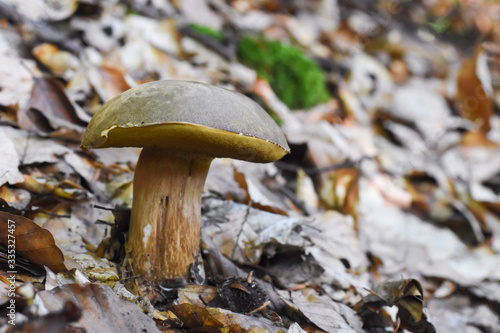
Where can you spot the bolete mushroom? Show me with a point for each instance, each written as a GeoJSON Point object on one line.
{"type": "Point", "coordinates": [182, 126]}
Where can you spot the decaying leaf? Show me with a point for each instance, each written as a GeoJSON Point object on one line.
{"type": "Point", "coordinates": [31, 241]}
{"type": "Point", "coordinates": [59, 62]}
{"type": "Point", "coordinates": [326, 313]}
{"type": "Point", "coordinates": [193, 316]}
{"type": "Point", "coordinates": [241, 231]}
{"type": "Point", "coordinates": [471, 99]}
{"type": "Point", "coordinates": [102, 310]}
{"type": "Point", "coordinates": [16, 81]}
{"type": "Point", "coordinates": [221, 179]}
{"type": "Point", "coordinates": [108, 82]}
{"type": "Point", "coordinates": [46, 10]}
{"type": "Point", "coordinates": [15, 198]}
{"type": "Point", "coordinates": [196, 295]}
{"type": "Point", "coordinates": [396, 176]}
{"type": "Point", "coordinates": [260, 195]}
{"type": "Point", "coordinates": [291, 265]}
{"type": "Point", "coordinates": [56, 321]}
{"type": "Point", "coordinates": [51, 111]}
{"type": "Point", "coordinates": [459, 314]}
{"type": "Point", "coordinates": [407, 296]}
{"type": "Point", "coordinates": [237, 322]}
{"type": "Point", "coordinates": [9, 169]}
{"type": "Point", "coordinates": [38, 182]}
{"type": "Point", "coordinates": [334, 245]}
{"type": "Point", "coordinates": [32, 149]}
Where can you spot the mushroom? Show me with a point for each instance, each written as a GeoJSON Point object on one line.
{"type": "Point", "coordinates": [182, 126]}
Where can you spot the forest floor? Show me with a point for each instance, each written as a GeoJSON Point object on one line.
{"type": "Point", "coordinates": [385, 217]}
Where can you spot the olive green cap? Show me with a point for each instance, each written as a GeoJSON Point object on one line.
{"type": "Point", "coordinates": [188, 117]}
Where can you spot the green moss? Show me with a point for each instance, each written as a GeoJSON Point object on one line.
{"type": "Point", "coordinates": [207, 31]}
{"type": "Point", "coordinates": [296, 79]}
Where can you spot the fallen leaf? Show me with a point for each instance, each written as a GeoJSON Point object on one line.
{"type": "Point", "coordinates": [193, 316]}
{"type": "Point", "coordinates": [407, 296]}
{"type": "Point", "coordinates": [290, 265]}
{"type": "Point", "coordinates": [9, 169]}
{"type": "Point", "coordinates": [221, 179]}
{"type": "Point", "coordinates": [471, 99]}
{"type": "Point", "coordinates": [326, 313]}
{"type": "Point", "coordinates": [31, 241]}
{"type": "Point", "coordinates": [370, 81]}
{"type": "Point", "coordinates": [16, 81]}
{"type": "Point", "coordinates": [50, 110]}
{"type": "Point", "coordinates": [113, 82]}
{"type": "Point", "coordinates": [56, 321]}
{"type": "Point", "coordinates": [102, 310]}
{"type": "Point", "coordinates": [15, 198]}
{"type": "Point", "coordinates": [239, 323]}
{"type": "Point", "coordinates": [58, 61]}
{"type": "Point", "coordinates": [41, 183]}
{"type": "Point", "coordinates": [460, 314]}
{"type": "Point", "coordinates": [33, 149]}
{"type": "Point", "coordinates": [333, 244]}
{"type": "Point", "coordinates": [295, 328]}
{"type": "Point", "coordinates": [241, 232]}
{"type": "Point", "coordinates": [261, 196]}
{"type": "Point", "coordinates": [51, 11]}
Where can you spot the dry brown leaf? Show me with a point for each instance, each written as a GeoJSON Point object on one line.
{"type": "Point", "coordinates": [50, 111]}
{"type": "Point", "coordinates": [340, 190]}
{"type": "Point", "coordinates": [194, 316]}
{"type": "Point", "coordinates": [48, 96]}
{"type": "Point", "coordinates": [407, 295]}
{"type": "Point", "coordinates": [240, 323]}
{"type": "Point", "coordinates": [113, 81]}
{"type": "Point", "coordinates": [471, 99]}
{"type": "Point", "coordinates": [257, 182]}
{"type": "Point", "coordinates": [196, 295]}
{"type": "Point", "coordinates": [17, 199]}
{"type": "Point", "coordinates": [223, 179]}
{"type": "Point", "coordinates": [326, 313]}
{"type": "Point", "coordinates": [58, 61]}
{"type": "Point", "coordinates": [39, 182]}
{"type": "Point", "coordinates": [102, 310]}
{"type": "Point", "coordinates": [31, 241]}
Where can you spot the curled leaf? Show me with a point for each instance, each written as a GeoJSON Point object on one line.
{"type": "Point", "coordinates": [406, 295]}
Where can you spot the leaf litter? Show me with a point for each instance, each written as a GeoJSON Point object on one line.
{"type": "Point", "coordinates": [384, 218]}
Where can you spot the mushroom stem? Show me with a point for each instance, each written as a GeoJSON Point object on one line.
{"type": "Point", "coordinates": [164, 230]}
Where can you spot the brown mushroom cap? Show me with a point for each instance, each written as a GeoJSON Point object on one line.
{"type": "Point", "coordinates": [187, 117]}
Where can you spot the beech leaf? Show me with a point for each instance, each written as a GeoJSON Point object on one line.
{"type": "Point", "coordinates": [31, 241]}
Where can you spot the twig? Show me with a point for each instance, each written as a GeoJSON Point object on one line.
{"type": "Point", "coordinates": [115, 209]}
{"type": "Point", "coordinates": [315, 170]}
